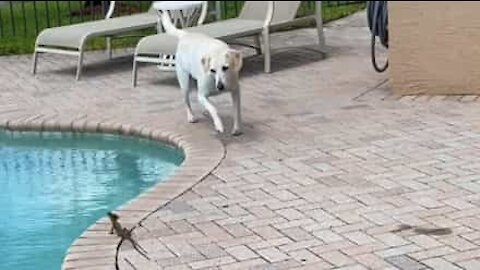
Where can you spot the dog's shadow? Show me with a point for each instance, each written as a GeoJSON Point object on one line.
{"type": "Point", "coordinates": [249, 133]}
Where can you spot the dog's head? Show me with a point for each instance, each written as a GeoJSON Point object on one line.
{"type": "Point", "coordinates": [225, 67]}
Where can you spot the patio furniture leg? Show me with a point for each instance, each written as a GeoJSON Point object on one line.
{"type": "Point", "coordinates": [109, 47]}
{"type": "Point", "coordinates": [266, 49]}
{"type": "Point", "coordinates": [258, 45]}
{"type": "Point", "coordinates": [34, 62]}
{"type": "Point", "coordinates": [79, 65]}
{"type": "Point", "coordinates": [134, 73]}
{"type": "Point", "coordinates": [319, 24]}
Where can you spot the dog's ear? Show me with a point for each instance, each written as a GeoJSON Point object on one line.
{"type": "Point", "coordinates": [206, 63]}
{"type": "Point", "coordinates": [236, 59]}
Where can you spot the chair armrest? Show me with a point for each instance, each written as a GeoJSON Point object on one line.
{"type": "Point", "coordinates": [111, 9]}
{"type": "Point", "coordinates": [269, 15]}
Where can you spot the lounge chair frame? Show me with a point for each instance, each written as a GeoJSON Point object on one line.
{"type": "Point", "coordinates": [80, 50]}
{"type": "Point", "coordinates": [261, 39]}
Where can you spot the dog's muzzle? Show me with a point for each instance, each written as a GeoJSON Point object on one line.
{"type": "Point", "coordinates": [220, 86]}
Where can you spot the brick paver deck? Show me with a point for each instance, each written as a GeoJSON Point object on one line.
{"type": "Point", "coordinates": [331, 173]}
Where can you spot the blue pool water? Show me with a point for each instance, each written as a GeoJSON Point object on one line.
{"type": "Point", "coordinates": [54, 185]}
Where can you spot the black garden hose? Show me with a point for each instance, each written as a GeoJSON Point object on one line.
{"type": "Point", "coordinates": [377, 15]}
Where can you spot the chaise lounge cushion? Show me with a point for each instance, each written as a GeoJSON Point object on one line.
{"type": "Point", "coordinates": [157, 44]}
{"type": "Point", "coordinates": [229, 28]}
{"type": "Point", "coordinates": [166, 44]}
{"type": "Point", "coordinates": [72, 36]}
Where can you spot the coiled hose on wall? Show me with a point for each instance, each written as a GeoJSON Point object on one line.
{"type": "Point", "coordinates": [377, 15]}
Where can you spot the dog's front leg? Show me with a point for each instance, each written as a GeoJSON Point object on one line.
{"type": "Point", "coordinates": [185, 84]}
{"type": "Point", "coordinates": [237, 117]}
{"type": "Point", "coordinates": [190, 116]}
{"type": "Point", "coordinates": [212, 111]}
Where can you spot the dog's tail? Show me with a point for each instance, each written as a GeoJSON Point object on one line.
{"type": "Point", "coordinates": [169, 27]}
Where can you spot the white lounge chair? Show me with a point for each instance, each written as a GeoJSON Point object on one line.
{"type": "Point", "coordinates": [71, 39]}
{"type": "Point", "coordinates": [257, 19]}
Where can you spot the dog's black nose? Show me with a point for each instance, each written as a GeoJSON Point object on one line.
{"type": "Point", "coordinates": [220, 86]}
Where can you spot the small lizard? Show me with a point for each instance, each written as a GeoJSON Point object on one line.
{"type": "Point", "coordinates": [124, 233]}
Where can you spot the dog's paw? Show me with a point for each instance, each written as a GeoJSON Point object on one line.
{"type": "Point", "coordinates": [237, 132]}
{"type": "Point", "coordinates": [219, 129]}
{"type": "Point", "coordinates": [192, 119]}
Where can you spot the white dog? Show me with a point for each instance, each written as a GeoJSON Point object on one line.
{"type": "Point", "coordinates": [213, 65]}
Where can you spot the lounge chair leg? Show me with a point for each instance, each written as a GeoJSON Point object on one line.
{"type": "Point", "coordinates": [319, 24]}
{"type": "Point", "coordinates": [134, 73]}
{"type": "Point", "coordinates": [34, 62]}
{"type": "Point", "coordinates": [109, 47]}
{"type": "Point", "coordinates": [266, 50]}
{"type": "Point", "coordinates": [258, 45]}
{"type": "Point", "coordinates": [79, 66]}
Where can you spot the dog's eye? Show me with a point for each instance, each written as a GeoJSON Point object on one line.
{"type": "Point", "coordinates": [212, 70]}
{"type": "Point", "coordinates": [224, 68]}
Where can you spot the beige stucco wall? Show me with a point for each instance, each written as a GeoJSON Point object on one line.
{"type": "Point", "coordinates": [434, 47]}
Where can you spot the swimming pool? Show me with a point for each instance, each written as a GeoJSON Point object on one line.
{"type": "Point", "coordinates": [54, 185]}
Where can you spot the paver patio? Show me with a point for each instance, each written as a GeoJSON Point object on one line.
{"type": "Point", "coordinates": [329, 172]}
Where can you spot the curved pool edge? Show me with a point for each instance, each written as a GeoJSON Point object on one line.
{"type": "Point", "coordinates": [95, 248]}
